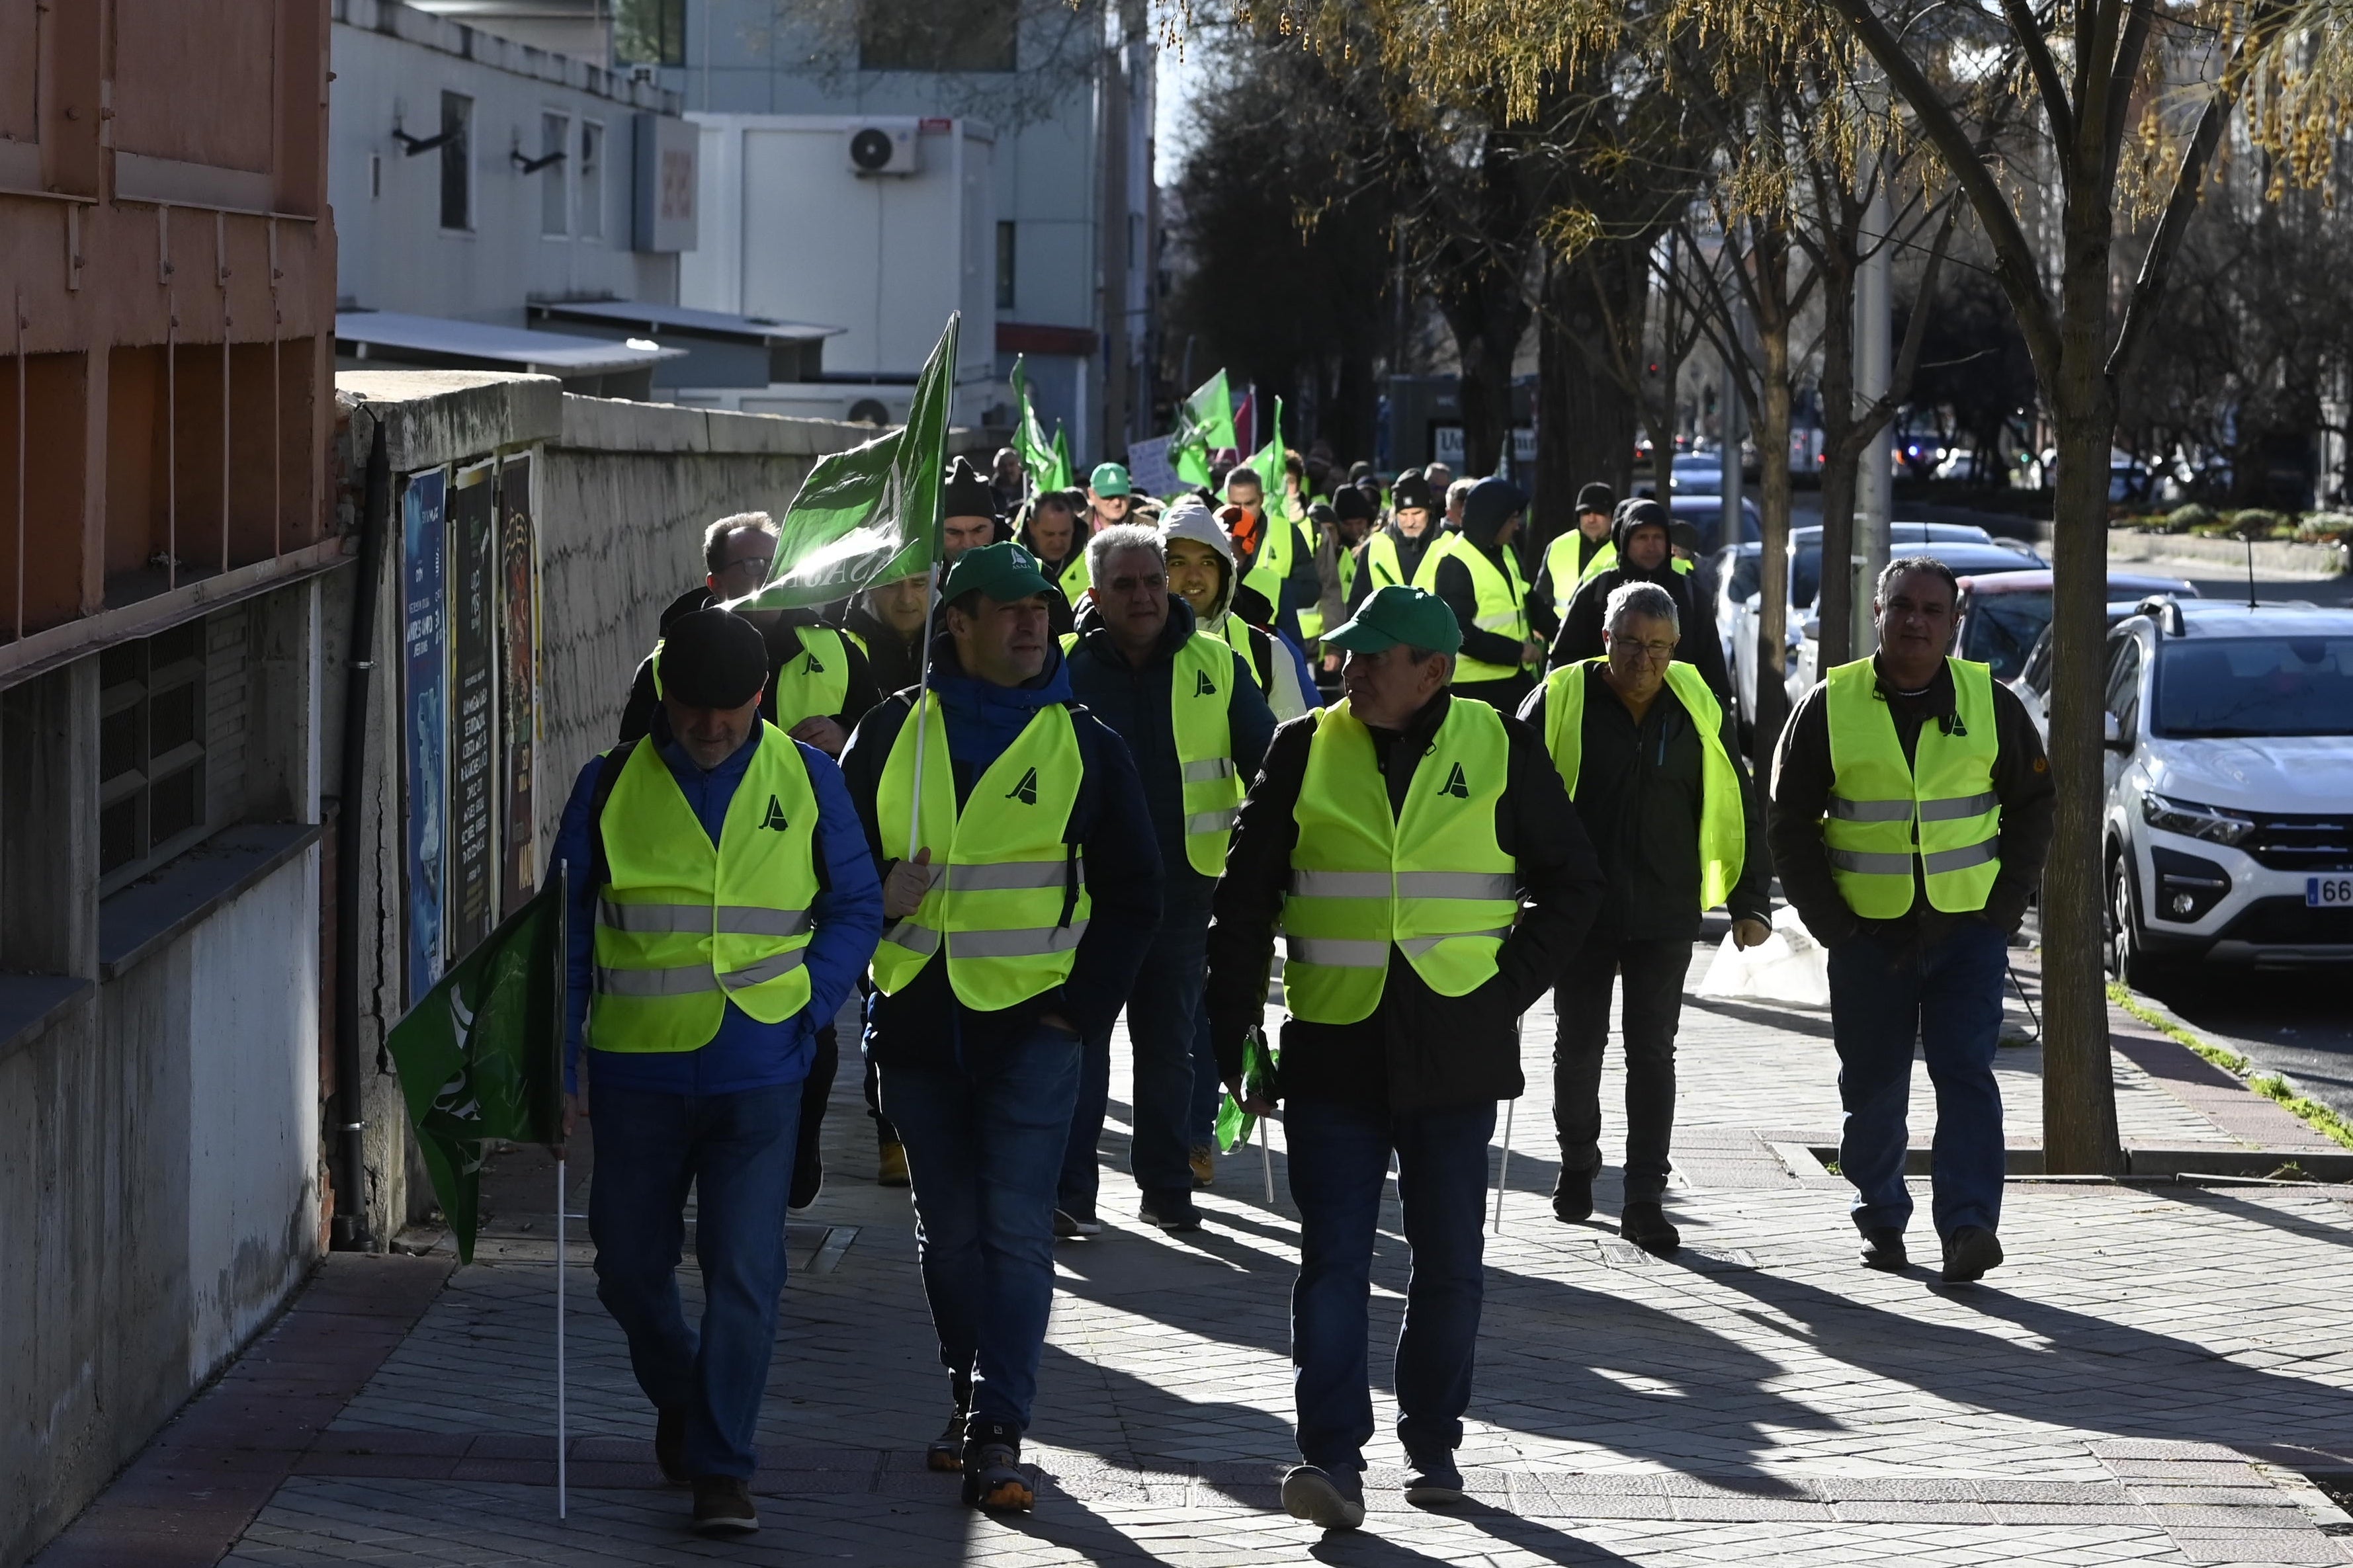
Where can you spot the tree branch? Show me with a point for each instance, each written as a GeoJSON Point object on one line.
{"type": "Point", "coordinates": [2037, 50]}
{"type": "Point", "coordinates": [2129, 50]}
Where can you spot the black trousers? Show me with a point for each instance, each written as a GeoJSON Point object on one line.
{"type": "Point", "coordinates": [1654, 972]}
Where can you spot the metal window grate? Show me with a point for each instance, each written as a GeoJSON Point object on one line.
{"type": "Point", "coordinates": [151, 743]}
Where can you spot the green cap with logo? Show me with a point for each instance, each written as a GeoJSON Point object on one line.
{"type": "Point", "coordinates": [1400, 613]}
{"type": "Point", "coordinates": [1108, 480]}
{"type": "Point", "coordinates": [1003, 571]}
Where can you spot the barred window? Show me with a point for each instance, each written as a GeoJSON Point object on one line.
{"type": "Point", "coordinates": [151, 747]}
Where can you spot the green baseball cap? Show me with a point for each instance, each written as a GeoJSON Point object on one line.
{"type": "Point", "coordinates": [1108, 480]}
{"type": "Point", "coordinates": [1003, 571]}
{"type": "Point", "coordinates": [1398, 614]}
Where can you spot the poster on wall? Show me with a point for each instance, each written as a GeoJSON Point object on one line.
{"type": "Point", "coordinates": [518, 680]}
{"type": "Point", "coordinates": [474, 710]}
{"type": "Point", "coordinates": [423, 721]}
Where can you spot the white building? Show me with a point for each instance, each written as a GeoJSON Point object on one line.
{"type": "Point", "coordinates": [1067, 91]}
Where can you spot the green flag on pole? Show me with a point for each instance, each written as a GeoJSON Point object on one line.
{"type": "Point", "coordinates": [1205, 423]}
{"type": "Point", "coordinates": [1069, 474]}
{"type": "Point", "coordinates": [1049, 468]}
{"type": "Point", "coordinates": [481, 1056]}
{"type": "Point", "coordinates": [871, 514]}
{"type": "Point", "coordinates": [1269, 462]}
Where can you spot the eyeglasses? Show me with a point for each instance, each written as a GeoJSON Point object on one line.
{"type": "Point", "coordinates": [1656, 652]}
{"type": "Point", "coordinates": [758, 563]}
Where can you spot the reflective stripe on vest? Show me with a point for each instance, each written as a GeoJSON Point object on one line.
{"type": "Point", "coordinates": [1941, 807]}
{"type": "Point", "coordinates": [1722, 829]}
{"type": "Point", "coordinates": [1200, 702]}
{"type": "Point", "coordinates": [1006, 892]}
{"type": "Point", "coordinates": [1502, 600]}
{"type": "Point", "coordinates": [1429, 879]}
{"type": "Point", "coordinates": [1277, 540]}
{"type": "Point", "coordinates": [683, 926]}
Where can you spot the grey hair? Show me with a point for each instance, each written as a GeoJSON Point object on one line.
{"type": "Point", "coordinates": [1641, 599]}
{"type": "Point", "coordinates": [1122, 536]}
{"type": "Point", "coordinates": [714, 538]}
{"type": "Point", "coordinates": [1460, 491]}
{"type": "Point", "coordinates": [1903, 564]}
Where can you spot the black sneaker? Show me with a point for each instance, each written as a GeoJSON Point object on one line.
{"type": "Point", "coordinates": [1645, 1223]}
{"type": "Point", "coordinates": [1970, 1252]}
{"type": "Point", "coordinates": [670, 1446]}
{"type": "Point", "coordinates": [723, 1505]}
{"type": "Point", "coordinates": [1177, 1213]}
{"type": "Point", "coordinates": [993, 1476]}
{"type": "Point", "coordinates": [1434, 1481]}
{"type": "Point", "coordinates": [1322, 1498]}
{"type": "Point", "coordinates": [808, 1176]}
{"type": "Point", "coordinates": [1882, 1249]}
{"type": "Point", "coordinates": [945, 1452]}
{"type": "Point", "coordinates": [1572, 1196]}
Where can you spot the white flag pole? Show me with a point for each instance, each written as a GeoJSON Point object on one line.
{"type": "Point", "coordinates": [1505, 1169]}
{"type": "Point", "coordinates": [1266, 1158]}
{"type": "Point", "coordinates": [561, 1498]}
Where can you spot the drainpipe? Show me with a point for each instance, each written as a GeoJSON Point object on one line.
{"type": "Point", "coordinates": [351, 1228]}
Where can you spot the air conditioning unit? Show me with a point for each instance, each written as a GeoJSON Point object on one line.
{"type": "Point", "coordinates": [883, 147]}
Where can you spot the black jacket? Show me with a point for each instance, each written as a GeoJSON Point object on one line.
{"type": "Point", "coordinates": [784, 640]}
{"type": "Point", "coordinates": [1418, 1050]}
{"type": "Point", "coordinates": [1695, 643]}
{"type": "Point", "coordinates": [895, 661]}
{"type": "Point", "coordinates": [1637, 796]}
{"type": "Point", "coordinates": [1801, 792]}
{"type": "Point", "coordinates": [923, 1025]}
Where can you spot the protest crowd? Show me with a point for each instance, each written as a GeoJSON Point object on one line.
{"type": "Point", "coordinates": [1427, 752]}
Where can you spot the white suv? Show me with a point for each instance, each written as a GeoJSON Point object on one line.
{"type": "Point", "coordinates": [2229, 818]}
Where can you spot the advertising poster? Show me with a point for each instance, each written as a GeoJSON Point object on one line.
{"type": "Point", "coordinates": [423, 723]}
{"type": "Point", "coordinates": [518, 681]}
{"type": "Point", "coordinates": [473, 712]}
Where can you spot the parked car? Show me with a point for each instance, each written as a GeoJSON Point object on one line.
{"type": "Point", "coordinates": [2032, 684]}
{"type": "Point", "coordinates": [1699, 475]}
{"type": "Point", "coordinates": [1973, 552]}
{"type": "Point", "coordinates": [2229, 813]}
{"type": "Point", "coordinates": [2001, 617]}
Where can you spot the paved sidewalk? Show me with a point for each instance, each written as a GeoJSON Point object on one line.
{"type": "Point", "coordinates": [2145, 1380]}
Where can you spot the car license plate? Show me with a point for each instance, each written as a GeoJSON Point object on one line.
{"type": "Point", "coordinates": [2328, 892]}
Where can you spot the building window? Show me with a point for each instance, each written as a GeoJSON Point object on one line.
{"type": "Point", "coordinates": [1004, 267]}
{"type": "Point", "coordinates": [555, 190]}
{"type": "Point", "coordinates": [937, 35]}
{"type": "Point", "coordinates": [650, 33]}
{"type": "Point", "coordinates": [457, 160]}
{"type": "Point", "coordinates": [151, 748]}
{"type": "Point", "coordinates": [592, 180]}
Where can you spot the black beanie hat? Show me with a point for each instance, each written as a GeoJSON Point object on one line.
{"type": "Point", "coordinates": [712, 658]}
{"type": "Point", "coordinates": [1351, 502]}
{"type": "Point", "coordinates": [1597, 497]}
{"type": "Point", "coordinates": [967, 493]}
{"type": "Point", "coordinates": [1411, 490]}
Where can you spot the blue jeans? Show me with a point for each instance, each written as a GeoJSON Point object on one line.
{"type": "Point", "coordinates": [1339, 1164]}
{"type": "Point", "coordinates": [736, 1152]}
{"type": "Point", "coordinates": [1164, 1014]}
{"type": "Point", "coordinates": [1947, 994]}
{"type": "Point", "coordinates": [984, 1147]}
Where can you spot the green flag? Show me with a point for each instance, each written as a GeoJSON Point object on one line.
{"type": "Point", "coordinates": [871, 514]}
{"type": "Point", "coordinates": [1069, 476]}
{"type": "Point", "coordinates": [1205, 423]}
{"type": "Point", "coordinates": [1234, 1124]}
{"type": "Point", "coordinates": [481, 1056]}
{"type": "Point", "coordinates": [1048, 469]}
{"type": "Point", "coordinates": [1269, 462]}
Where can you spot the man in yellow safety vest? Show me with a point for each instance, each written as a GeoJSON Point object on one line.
{"type": "Point", "coordinates": [1652, 763]}
{"type": "Point", "coordinates": [1430, 883]}
{"type": "Point", "coordinates": [1476, 571]}
{"type": "Point", "coordinates": [1022, 888]}
{"type": "Point", "coordinates": [1573, 556]}
{"type": "Point", "coordinates": [1912, 810]}
{"type": "Point", "coordinates": [722, 905]}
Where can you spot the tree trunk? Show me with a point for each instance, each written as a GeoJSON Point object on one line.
{"type": "Point", "coordinates": [1773, 577]}
{"type": "Point", "coordinates": [1596, 420]}
{"type": "Point", "coordinates": [2079, 1105]}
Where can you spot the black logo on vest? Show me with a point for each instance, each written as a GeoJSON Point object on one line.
{"type": "Point", "coordinates": [1456, 784]}
{"type": "Point", "coordinates": [815, 668]}
{"type": "Point", "coordinates": [776, 817]}
{"type": "Point", "coordinates": [1025, 792]}
{"type": "Point", "coordinates": [1202, 685]}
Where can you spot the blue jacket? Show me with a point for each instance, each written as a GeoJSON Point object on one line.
{"type": "Point", "coordinates": [1135, 701]}
{"type": "Point", "coordinates": [923, 1025]}
{"type": "Point", "coordinates": [847, 911]}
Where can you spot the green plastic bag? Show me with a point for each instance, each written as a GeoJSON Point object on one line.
{"type": "Point", "coordinates": [1234, 1124]}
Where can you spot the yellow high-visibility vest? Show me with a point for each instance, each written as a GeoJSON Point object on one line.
{"type": "Point", "coordinates": [1722, 829]}
{"type": "Point", "coordinates": [1008, 896]}
{"type": "Point", "coordinates": [1310, 619]}
{"type": "Point", "coordinates": [685, 926]}
{"type": "Point", "coordinates": [1560, 564]}
{"type": "Point", "coordinates": [1278, 540]}
{"type": "Point", "coordinates": [1382, 560]}
{"type": "Point", "coordinates": [1430, 880]}
{"type": "Point", "coordinates": [1200, 713]}
{"type": "Point", "coordinates": [1940, 807]}
{"type": "Point", "coordinates": [1075, 579]}
{"type": "Point", "coordinates": [1502, 600]}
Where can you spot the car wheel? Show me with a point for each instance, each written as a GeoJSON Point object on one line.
{"type": "Point", "coordinates": [2127, 953]}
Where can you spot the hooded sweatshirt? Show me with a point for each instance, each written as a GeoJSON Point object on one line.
{"type": "Point", "coordinates": [1695, 642]}
{"type": "Point", "coordinates": [1277, 662]}
{"type": "Point", "coordinates": [1491, 504]}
